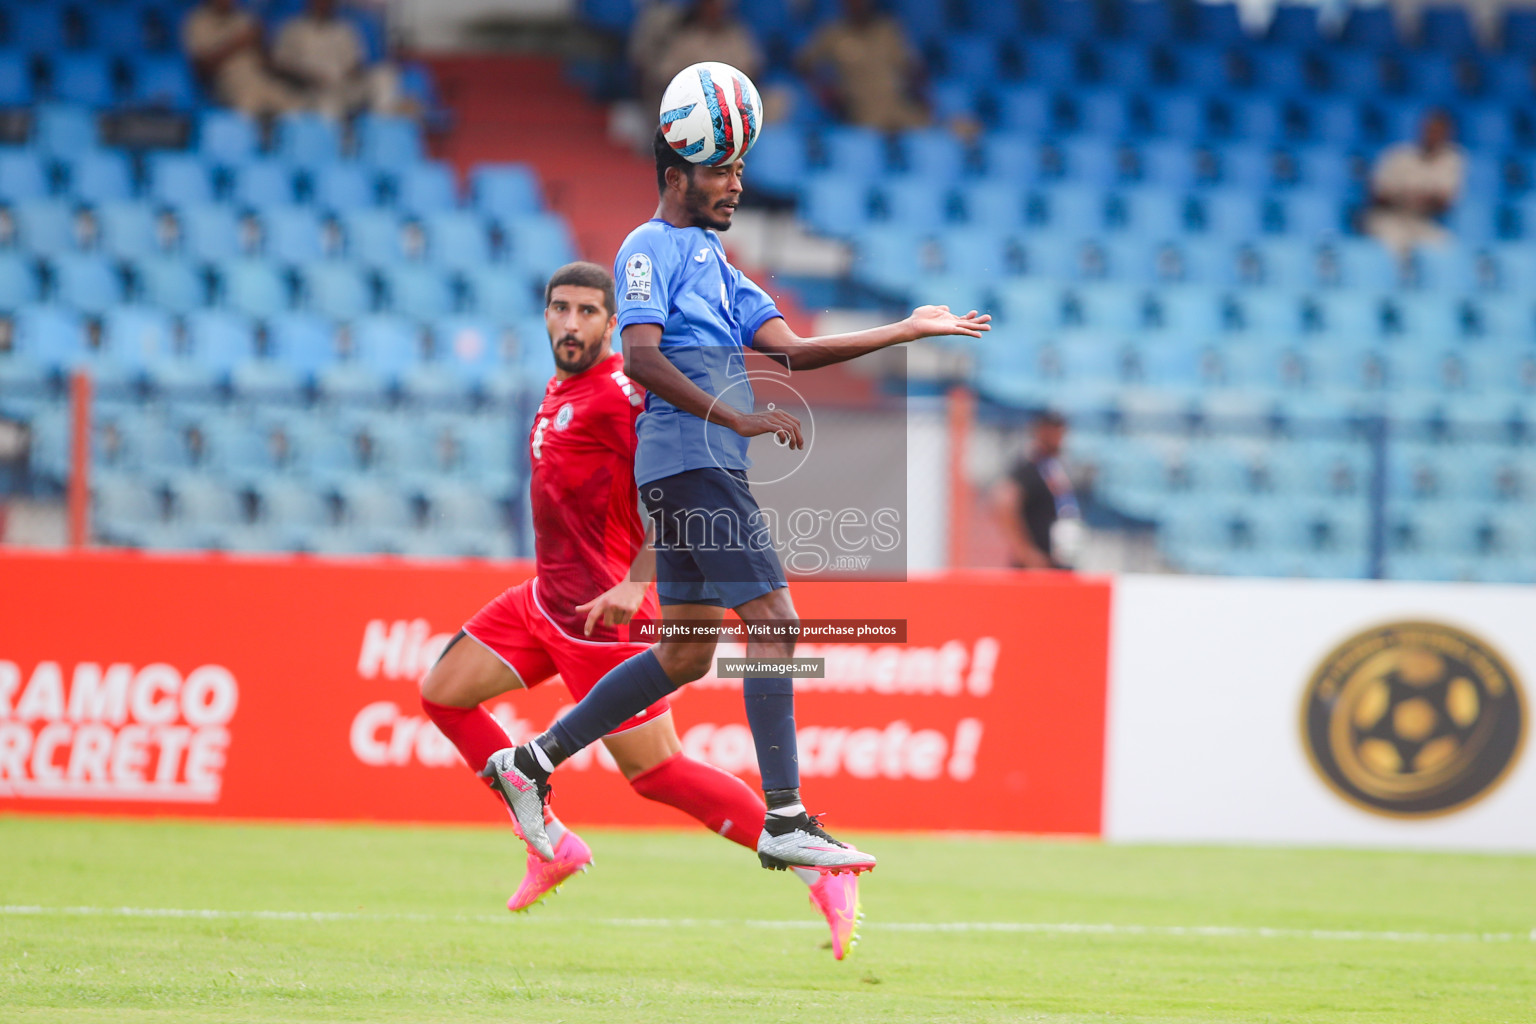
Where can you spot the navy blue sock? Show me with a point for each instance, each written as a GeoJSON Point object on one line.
{"type": "Point", "coordinates": [771, 714]}
{"type": "Point", "coordinates": [628, 689]}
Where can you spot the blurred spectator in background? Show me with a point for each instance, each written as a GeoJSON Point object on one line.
{"type": "Point", "coordinates": [866, 68]}
{"type": "Point", "coordinates": [224, 44]}
{"type": "Point", "coordinates": [326, 55]}
{"type": "Point", "coordinates": [1413, 186]}
{"type": "Point", "coordinates": [706, 30]}
{"type": "Point", "coordinates": [1036, 505]}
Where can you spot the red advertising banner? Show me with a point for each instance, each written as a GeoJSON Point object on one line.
{"type": "Point", "coordinates": [286, 688]}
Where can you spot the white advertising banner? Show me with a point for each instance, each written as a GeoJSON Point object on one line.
{"type": "Point", "coordinates": [1321, 712]}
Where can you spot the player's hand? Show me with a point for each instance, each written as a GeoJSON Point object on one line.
{"type": "Point", "coordinates": [784, 427]}
{"type": "Point", "coordinates": [938, 321]}
{"type": "Point", "coordinates": [614, 606]}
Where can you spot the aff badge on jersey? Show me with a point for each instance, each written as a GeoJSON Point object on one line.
{"type": "Point", "coordinates": [637, 278]}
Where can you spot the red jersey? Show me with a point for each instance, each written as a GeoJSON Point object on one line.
{"type": "Point", "coordinates": [586, 515]}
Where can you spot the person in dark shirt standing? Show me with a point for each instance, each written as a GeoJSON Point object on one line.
{"type": "Point", "coordinates": [1036, 504]}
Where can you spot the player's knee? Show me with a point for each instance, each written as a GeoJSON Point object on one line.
{"type": "Point", "coordinates": [685, 662]}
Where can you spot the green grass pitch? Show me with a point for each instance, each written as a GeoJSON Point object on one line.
{"type": "Point", "coordinates": [326, 923]}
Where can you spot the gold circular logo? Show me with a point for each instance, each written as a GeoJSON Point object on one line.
{"type": "Point", "coordinates": [1413, 719]}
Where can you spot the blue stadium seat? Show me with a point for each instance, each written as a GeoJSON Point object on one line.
{"type": "Point", "coordinates": [387, 344]}
{"type": "Point", "coordinates": [1268, 312]}
{"type": "Point", "coordinates": [1447, 28]}
{"type": "Point", "coordinates": [423, 292]}
{"type": "Point", "coordinates": [1431, 318]}
{"type": "Point", "coordinates": [266, 382]}
{"type": "Point", "coordinates": [83, 77]}
{"type": "Point", "coordinates": [854, 152]}
{"type": "Point", "coordinates": [254, 287]}
{"type": "Point", "coordinates": [290, 503]}
{"type": "Point", "coordinates": [162, 80]}
{"type": "Point", "coordinates": [177, 179]}
{"type": "Point", "coordinates": [1074, 210]}
{"type": "Point", "coordinates": [292, 234]}
{"type": "Point", "coordinates": [466, 344]}
{"type": "Point", "coordinates": [388, 143]}
{"type": "Point", "coordinates": [302, 341]}
{"type": "Point", "coordinates": [351, 384]}
{"type": "Point", "coordinates": [40, 27]}
{"type": "Point", "coordinates": [1191, 311]}
{"type": "Point", "coordinates": [1454, 269]}
{"type": "Point", "coordinates": [1169, 163]}
{"type": "Point", "coordinates": [506, 191]}
{"type": "Point", "coordinates": [971, 56]}
{"type": "Point", "coordinates": [1370, 27]}
{"type": "Point", "coordinates": [1133, 260]}
{"type": "Point", "coordinates": [101, 176]}
{"type": "Point", "coordinates": [1515, 265]}
{"type": "Point", "coordinates": [258, 184]}
{"type": "Point", "coordinates": [1026, 109]}
{"type": "Point", "coordinates": [1310, 214]}
{"type": "Point", "coordinates": [373, 235]}
{"type": "Point", "coordinates": [458, 238]}
{"type": "Point", "coordinates": [1486, 127]}
{"type": "Point", "coordinates": [1289, 263]}
{"type": "Point", "coordinates": [1181, 115]}
{"type": "Point", "coordinates": [138, 336]}
{"type": "Point", "coordinates": [1107, 114]}
{"type": "Point", "coordinates": [1154, 213]}
{"type": "Point", "coordinates": [128, 229]}
{"type": "Point", "coordinates": [1091, 161]}
{"type": "Point", "coordinates": [1295, 25]}
{"type": "Point", "coordinates": [1120, 308]}
{"type": "Point", "coordinates": [1151, 20]}
{"type": "Point", "coordinates": [994, 202]}
{"type": "Point", "coordinates": [1207, 69]}
{"type": "Point", "coordinates": [933, 155]}
{"type": "Point", "coordinates": [50, 334]}
{"type": "Point", "coordinates": [1051, 62]}
{"type": "Point", "coordinates": [64, 130]}
{"type": "Point", "coordinates": [499, 295]}
{"type": "Point", "coordinates": [1126, 64]}
{"type": "Point", "coordinates": [1012, 157]}
{"type": "Point", "coordinates": [835, 205]}
{"type": "Point", "coordinates": [170, 282]}
{"type": "Point", "coordinates": [1355, 317]}
{"type": "Point", "coordinates": [210, 232]}
{"type": "Point", "coordinates": [45, 226]}
{"type": "Point", "coordinates": [917, 205]}
{"type": "Point", "coordinates": [344, 187]}
{"type": "Point", "coordinates": [86, 281]}
{"type": "Point", "coordinates": [1230, 213]}
{"type": "Point", "coordinates": [1281, 72]}
{"type": "Point", "coordinates": [338, 289]}
{"type": "Point", "coordinates": [426, 188]}
{"type": "Point", "coordinates": [23, 176]}
{"type": "Point", "coordinates": [308, 140]}
{"type": "Point", "coordinates": [221, 339]}
{"type": "Point", "coordinates": [227, 137]}
{"type": "Point", "coordinates": [1324, 168]}
{"type": "Point", "coordinates": [15, 78]}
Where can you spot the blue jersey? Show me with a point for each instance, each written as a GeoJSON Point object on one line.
{"type": "Point", "coordinates": [708, 311]}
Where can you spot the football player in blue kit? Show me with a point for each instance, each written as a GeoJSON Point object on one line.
{"type": "Point", "coordinates": [686, 317]}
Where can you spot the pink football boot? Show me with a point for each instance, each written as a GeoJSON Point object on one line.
{"type": "Point", "coordinates": [837, 897]}
{"type": "Point", "coordinates": [545, 876]}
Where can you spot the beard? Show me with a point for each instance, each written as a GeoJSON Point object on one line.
{"type": "Point", "coordinates": [702, 212]}
{"type": "Point", "coordinates": [584, 360]}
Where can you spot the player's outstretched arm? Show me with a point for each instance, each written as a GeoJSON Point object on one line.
{"type": "Point", "coordinates": [776, 339]}
{"type": "Point", "coordinates": [645, 363]}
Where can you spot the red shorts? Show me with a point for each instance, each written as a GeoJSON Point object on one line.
{"type": "Point", "coordinates": [515, 629]}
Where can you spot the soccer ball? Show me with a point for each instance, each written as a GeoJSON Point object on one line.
{"type": "Point", "coordinates": [711, 113]}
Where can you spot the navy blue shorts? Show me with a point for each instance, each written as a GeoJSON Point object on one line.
{"type": "Point", "coordinates": [712, 544]}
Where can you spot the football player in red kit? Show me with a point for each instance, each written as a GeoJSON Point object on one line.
{"type": "Point", "coordinates": [593, 574]}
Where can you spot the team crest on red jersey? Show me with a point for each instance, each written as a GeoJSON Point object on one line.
{"type": "Point", "coordinates": [564, 416]}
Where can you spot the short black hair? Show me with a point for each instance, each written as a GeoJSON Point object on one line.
{"type": "Point", "coordinates": [582, 274]}
{"type": "Point", "coordinates": [666, 157]}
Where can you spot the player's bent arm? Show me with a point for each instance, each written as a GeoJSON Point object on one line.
{"type": "Point", "coordinates": [776, 339]}
{"type": "Point", "coordinates": [646, 364]}
{"type": "Point", "coordinates": [619, 603]}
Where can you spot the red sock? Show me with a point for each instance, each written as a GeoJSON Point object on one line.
{"type": "Point", "coordinates": [719, 799]}
{"type": "Point", "coordinates": [472, 730]}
